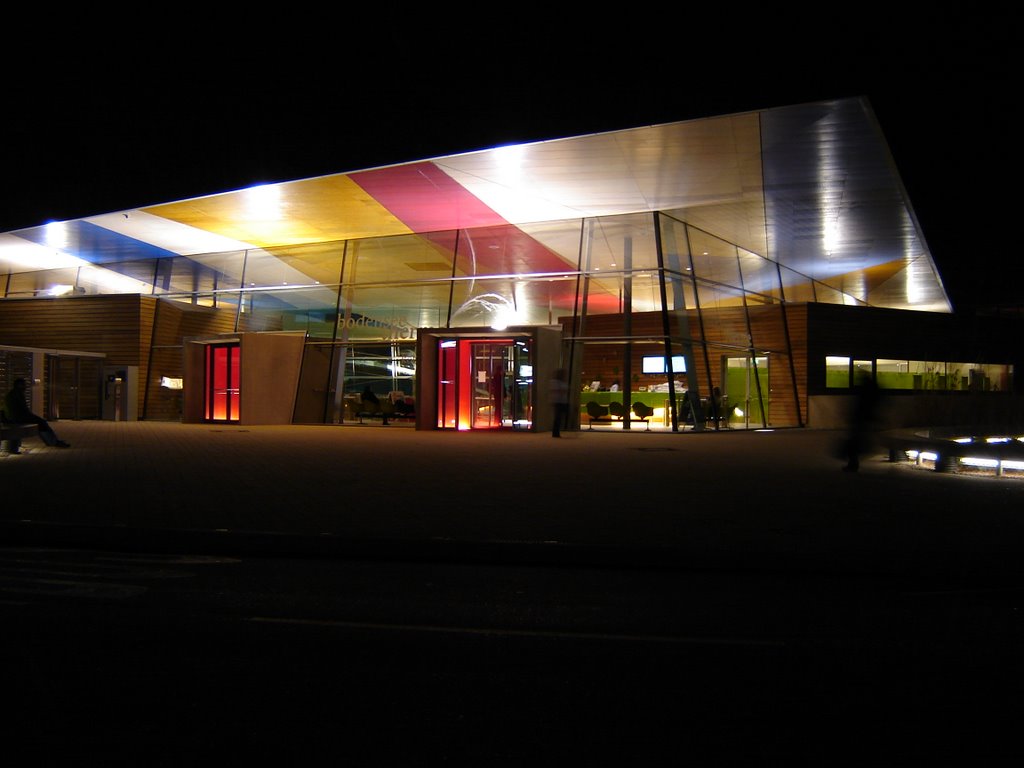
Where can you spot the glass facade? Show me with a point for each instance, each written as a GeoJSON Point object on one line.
{"type": "Point", "coordinates": [708, 244]}
{"type": "Point", "coordinates": [627, 291]}
{"type": "Point", "coordinates": [624, 289]}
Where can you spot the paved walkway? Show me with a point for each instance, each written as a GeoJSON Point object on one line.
{"type": "Point", "coordinates": [727, 499]}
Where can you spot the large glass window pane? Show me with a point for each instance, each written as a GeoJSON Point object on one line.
{"type": "Point", "coordinates": [97, 280]}
{"type": "Point", "coordinates": [714, 259]}
{"type": "Point", "coordinates": [893, 374]}
{"type": "Point", "coordinates": [388, 369]}
{"type": "Point", "coordinates": [87, 279]}
{"type": "Point", "coordinates": [401, 259]}
{"type": "Point", "coordinates": [502, 302]}
{"type": "Point", "coordinates": [680, 293]}
{"type": "Point", "coordinates": [746, 390]}
{"type": "Point", "coordinates": [120, 277]}
{"type": "Point", "coordinates": [675, 248]}
{"type": "Point", "coordinates": [289, 267]}
{"type": "Point", "coordinates": [837, 372]}
{"type": "Point", "coordinates": [602, 368]}
{"type": "Point", "coordinates": [301, 309]}
{"type": "Point", "coordinates": [205, 272]}
{"type": "Point", "coordinates": [645, 290]}
{"type": "Point", "coordinates": [723, 315]}
{"type": "Point", "coordinates": [309, 264]}
{"type": "Point", "coordinates": [759, 274]}
{"type": "Point", "coordinates": [562, 241]}
{"type": "Point", "coordinates": [862, 371]}
{"type": "Point", "coordinates": [958, 376]}
{"type": "Point", "coordinates": [392, 312]}
{"type": "Point", "coordinates": [754, 299]}
{"type": "Point", "coordinates": [620, 244]}
{"type": "Point", "coordinates": [990, 378]}
{"type": "Point", "coordinates": [194, 299]}
{"type": "Point", "coordinates": [602, 294]}
{"type": "Point", "coordinates": [312, 310]}
{"type": "Point", "coordinates": [796, 287]}
{"type": "Point", "coordinates": [928, 374]}
{"type": "Point", "coordinates": [712, 296]}
{"type": "Point", "coordinates": [44, 282]}
{"type": "Point", "coordinates": [638, 291]}
{"type": "Point", "coordinates": [512, 250]}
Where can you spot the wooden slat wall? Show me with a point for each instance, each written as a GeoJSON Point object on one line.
{"type": "Point", "coordinates": [104, 324]}
{"type": "Point", "coordinates": [796, 321]}
{"type": "Point", "coordinates": [122, 328]}
{"type": "Point", "coordinates": [107, 324]}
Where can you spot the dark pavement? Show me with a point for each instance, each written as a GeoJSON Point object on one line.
{"type": "Point", "coordinates": [774, 500]}
{"type": "Point", "coordinates": [388, 596]}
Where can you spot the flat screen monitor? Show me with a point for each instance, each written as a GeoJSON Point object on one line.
{"type": "Point", "coordinates": [656, 364]}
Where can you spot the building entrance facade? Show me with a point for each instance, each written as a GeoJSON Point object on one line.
{"type": "Point", "coordinates": [222, 390]}
{"type": "Point", "coordinates": [485, 383]}
{"type": "Point", "coordinates": [481, 379]}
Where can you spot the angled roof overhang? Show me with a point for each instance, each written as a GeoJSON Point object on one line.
{"type": "Point", "coordinates": [812, 187]}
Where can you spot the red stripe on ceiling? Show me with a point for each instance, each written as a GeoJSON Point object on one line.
{"type": "Point", "coordinates": [425, 198]}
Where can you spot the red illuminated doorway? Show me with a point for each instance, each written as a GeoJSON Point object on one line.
{"type": "Point", "coordinates": [222, 391]}
{"type": "Point", "coordinates": [484, 384]}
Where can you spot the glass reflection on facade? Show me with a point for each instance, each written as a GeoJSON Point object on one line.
{"type": "Point", "coordinates": [625, 290]}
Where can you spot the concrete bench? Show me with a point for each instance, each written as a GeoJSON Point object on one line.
{"type": "Point", "coordinates": [19, 432]}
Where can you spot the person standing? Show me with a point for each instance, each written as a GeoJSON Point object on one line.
{"type": "Point", "coordinates": [716, 407]}
{"type": "Point", "coordinates": [370, 397]}
{"type": "Point", "coordinates": [16, 411]}
{"type": "Point", "coordinates": [559, 402]}
{"type": "Point", "coordinates": [862, 421]}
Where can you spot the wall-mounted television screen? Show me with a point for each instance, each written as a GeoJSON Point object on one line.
{"type": "Point", "coordinates": [656, 364]}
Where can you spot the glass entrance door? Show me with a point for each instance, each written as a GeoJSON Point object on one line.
{"type": "Point", "coordinates": [484, 384]}
{"type": "Point", "coordinates": [222, 391]}
{"type": "Point", "coordinates": [746, 391]}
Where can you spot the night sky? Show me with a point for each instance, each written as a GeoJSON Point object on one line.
{"type": "Point", "coordinates": [177, 114]}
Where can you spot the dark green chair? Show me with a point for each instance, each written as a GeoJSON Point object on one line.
{"type": "Point", "coordinates": [643, 412]}
{"type": "Point", "coordinates": [596, 412]}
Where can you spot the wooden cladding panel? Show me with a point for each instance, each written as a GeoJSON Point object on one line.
{"type": "Point", "coordinates": [106, 324]}
{"type": "Point", "coordinates": [122, 327]}
{"type": "Point", "coordinates": [796, 322]}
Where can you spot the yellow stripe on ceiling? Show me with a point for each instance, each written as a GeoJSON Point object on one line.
{"type": "Point", "coordinates": [292, 213]}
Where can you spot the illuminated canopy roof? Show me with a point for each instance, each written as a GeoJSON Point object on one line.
{"type": "Point", "coordinates": [812, 187]}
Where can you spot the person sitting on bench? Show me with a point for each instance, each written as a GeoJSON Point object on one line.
{"type": "Point", "coordinates": [16, 411]}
